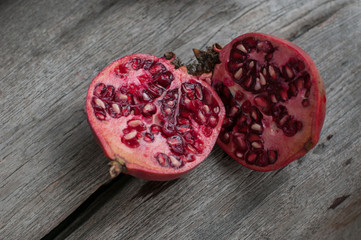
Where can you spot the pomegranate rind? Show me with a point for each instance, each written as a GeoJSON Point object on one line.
{"type": "Point", "coordinates": [298, 145]}
{"type": "Point", "coordinates": [139, 161]}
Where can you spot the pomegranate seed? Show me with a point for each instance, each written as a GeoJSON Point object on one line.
{"type": "Point", "coordinates": [262, 79]}
{"type": "Point", "coordinates": [198, 144]}
{"type": "Point", "coordinates": [272, 72]}
{"type": "Point", "coordinates": [241, 48]}
{"type": "Point", "coordinates": [162, 159]}
{"type": "Point", "coordinates": [238, 74]}
{"type": "Point", "coordinates": [147, 64]}
{"type": "Point", "coordinates": [100, 116]}
{"type": "Point", "coordinates": [156, 68]}
{"type": "Point", "coordinates": [240, 140]}
{"type": "Point", "coordinates": [186, 88]}
{"type": "Point", "coordinates": [191, 158]}
{"type": "Point", "coordinates": [252, 64]}
{"type": "Point", "coordinates": [188, 137]}
{"type": "Point", "coordinates": [262, 160]}
{"type": "Point", "coordinates": [257, 85]}
{"type": "Point", "coordinates": [130, 135]}
{"type": "Point", "coordinates": [99, 89]}
{"type": "Point", "coordinates": [175, 162]}
{"type": "Point", "coordinates": [136, 63]}
{"type": "Point", "coordinates": [213, 121]}
{"type": "Point", "coordinates": [183, 121]}
{"type": "Point", "coordinates": [284, 95]}
{"type": "Point", "coordinates": [254, 137]}
{"type": "Point", "coordinates": [251, 157]}
{"type": "Point", "coordinates": [257, 145]}
{"type": "Point", "coordinates": [237, 55]}
{"type": "Point", "coordinates": [261, 101]}
{"type": "Point", "coordinates": [264, 71]}
{"type": "Point", "coordinates": [184, 128]}
{"type": "Point", "coordinates": [144, 78]}
{"type": "Point", "coordinates": [273, 98]}
{"type": "Point", "coordinates": [198, 92]}
{"type": "Point", "coordinates": [135, 123]}
{"type": "Point", "coordinates": [120, 97]}
{"type": "Point", "coordinates": [246, 106]}
{"type": "Point", "coordinates": [164, 79]}
{"type": "Point", "coordinates": [239, 96]}
{"type": "Point", "coordinates": [121, 69]}
{"type": "Point", "coordinates": [155, 129]}
{"type": "Point", "coordinates": [257, 127]}
{"type": "Point", "coordinates": [171, 103]}
{"type": "Point", "coordinates": [168, 111]}
{"type": "Point", "coordinates": [100, 103]}
{"type": "Point", "coordinates": [125, 111]}
{"type": "Point", "coordinates": [116, 108]}
{"type": "Point", "coordinates": [168, 129]}
{"type": "Point", "coordinates": [148, 137]}
{"type": "Point", "coordinates": [191, 149]}
{"type": "Point", "coordinates": [206, 109]}
{"type": "Point", "coordinates": [292, 90]}
{"type": "Point", "coordinates": [248, 83]}
{"type": "Point", "coordinates": [176, 144]}
{"type": "Point", "coordinates": [299, 83]}
{"type": "Point", "coordinates": [272, 156]}
{"type": "Point", "coordinates": [216, 109]}
{"type": "Point", "coordinates": [287, 71]}
{"type": "Point", "coordinates": [207, 131]}
{"type": "Point", "coordinates": [149, 109]}
{"type": "Point", "coordinates": [201, 117]}
{"type": "Point", "coordinates": [282, 121]}
{"type": "Point", "coordinates": [146, 96]}
{"type": "Point", "coordinates": [238, 154]}
{"type": "Point", "coordinates": [233, 111]}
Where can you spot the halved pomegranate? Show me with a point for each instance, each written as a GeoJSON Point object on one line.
{"type": "Point", "coordinates": [274, 99]}
{"type": "Point", "coordinates": [153, 121]}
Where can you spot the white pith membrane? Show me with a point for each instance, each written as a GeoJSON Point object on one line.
{"type": "Point", "coordinates": [279, 68]}
{"type": "Point", "coordinates": [130, 130]}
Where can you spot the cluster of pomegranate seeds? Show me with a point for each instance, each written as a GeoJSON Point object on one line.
{"type": "Point", "coordinates": [267, 89]}
{"type": "Point", "coordinates": [182, 114]}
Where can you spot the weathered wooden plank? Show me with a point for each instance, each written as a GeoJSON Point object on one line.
{"type": "Point", "coordinates": [50, 163]}
{"type": "Point", "coordinates": [317, 197]}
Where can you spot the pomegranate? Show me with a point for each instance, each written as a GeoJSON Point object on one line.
{"type": "Point", "coordinates": [152, 120]}
{"type": "Point", "coordinates": [274, 99]}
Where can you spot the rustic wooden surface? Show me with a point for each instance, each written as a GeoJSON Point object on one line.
{"type": "Point", "coordinates": [54, 181]}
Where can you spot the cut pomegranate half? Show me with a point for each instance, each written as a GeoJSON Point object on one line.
{"type": "Point", "coordinates": [152, 120]}
{"type": "Point", "coordinates": [274, 99]}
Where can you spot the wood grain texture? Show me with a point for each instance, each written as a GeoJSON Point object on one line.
{"type": "Point", "coordinates": [50, 163]}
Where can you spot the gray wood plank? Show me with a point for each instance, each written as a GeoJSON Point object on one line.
{"type": "Point", "coordinates": [50, 51]}
{"type": "Point", "coordinates": [316, 197]}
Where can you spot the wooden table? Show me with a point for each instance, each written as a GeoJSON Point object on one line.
{"type": "Point", "coordinates": [54, 179]}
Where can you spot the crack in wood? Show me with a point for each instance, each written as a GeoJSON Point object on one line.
{"type": "Point", "coordinates": [151, 189]}
{"type": "Point", "coordinates": [314, 22]}
{"type": "Point", "coordinates": [86, 209]}
{"type": "Point", "coordinates": [338, 201]}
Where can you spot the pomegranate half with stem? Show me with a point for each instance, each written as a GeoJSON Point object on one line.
{"type": "Point", "coordinates": [152, 120]}
{"type": "Point", "coordinates": [274, 99]}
